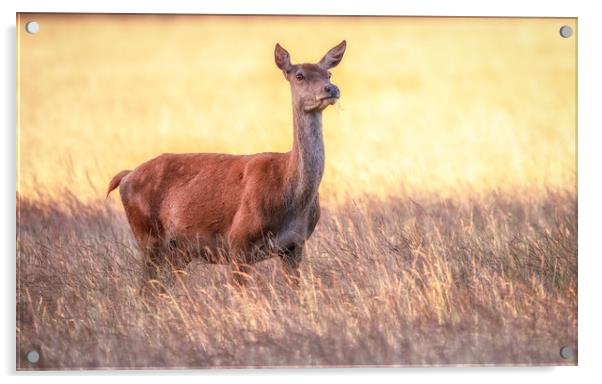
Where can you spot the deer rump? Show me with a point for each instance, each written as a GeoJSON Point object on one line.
{"type": "Point", "coordinates": [219, 208]}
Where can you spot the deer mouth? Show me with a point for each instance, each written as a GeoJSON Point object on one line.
{"type": "Point", "coordinates": [329, 100]}
{"type": "Point", "coordinates": [326, 101]}
{"type": "Point", "coordinates": [319, 104]}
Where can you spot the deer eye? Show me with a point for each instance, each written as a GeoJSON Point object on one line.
{"type": "Point", "coordinates": [300, 76]}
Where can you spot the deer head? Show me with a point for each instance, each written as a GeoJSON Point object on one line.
{"type": "Point", "coordinates": [310, 83]}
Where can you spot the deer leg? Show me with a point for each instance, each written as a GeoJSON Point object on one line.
{"type": "Point", "coordinates": [240, 269]}
{"type": "Point", "coordinates": [153, 265]}
{"type": "Point", "coordinates": [164, 263]}
{"type": "Point", "coordinates": [150, 266]}
{"type": "Point", "coordinates": [239, 246]}
{"type": "Point", "coordinates": [176, 260]}
{"type": "Point", "coordinates": [291, 259]}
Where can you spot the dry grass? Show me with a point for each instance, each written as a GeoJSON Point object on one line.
{"type": "Point", "coordinates": [449, 228]}
{"type": "Point", "coordinates": [491, 280]}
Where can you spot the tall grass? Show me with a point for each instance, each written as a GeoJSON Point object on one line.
{"type": "Point", "coordinates": [487, 280]}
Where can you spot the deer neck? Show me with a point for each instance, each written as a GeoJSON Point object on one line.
{"type": "Point", "coordinates": [306, 160]}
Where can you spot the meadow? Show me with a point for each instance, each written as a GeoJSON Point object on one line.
{"type": "Point", "coordinates": [449, 226]}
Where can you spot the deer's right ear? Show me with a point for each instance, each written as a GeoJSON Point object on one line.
{"type": "Point", "coordinates": [283, 59]}
{"type": "Point", "coordinates": [334, 56]}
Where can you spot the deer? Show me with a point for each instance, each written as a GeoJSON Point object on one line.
{"type": "Point", "coordinates": [230, 209]}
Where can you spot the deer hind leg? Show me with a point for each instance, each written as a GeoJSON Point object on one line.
{"type": "Point", "coordinates": [177, 259]}
{"type": "Point", "coordinates": [153, 267]}
{"type": "Point", "coordinates": [291, 259]}
{"type": "Point", "coordinates": [162, 264]}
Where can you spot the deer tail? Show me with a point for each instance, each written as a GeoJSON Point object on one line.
{"type": "Point", "coordinates": [117, 180]}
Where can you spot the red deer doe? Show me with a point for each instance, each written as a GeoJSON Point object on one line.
{"type": "Point", "coordinates": [237, 210]}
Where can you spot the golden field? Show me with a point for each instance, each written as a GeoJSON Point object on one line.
{"type": "Point", "coordinates": [449, 227]}
{"type": "Point", "coordinates": [435, 105]}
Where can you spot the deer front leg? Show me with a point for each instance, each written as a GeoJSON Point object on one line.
{"type": "Point", "coordinates": [239, 249]}
{"type": "Point", "coordinates": [291, 259]}
{"type": "Point", "coordinates": [245, 240]}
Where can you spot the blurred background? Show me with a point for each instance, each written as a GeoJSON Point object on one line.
{"type": "Point", "coordinates": [440, 106]}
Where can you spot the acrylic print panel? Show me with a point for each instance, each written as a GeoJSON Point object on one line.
{"type": "Point", "coordinates": [443, 151]}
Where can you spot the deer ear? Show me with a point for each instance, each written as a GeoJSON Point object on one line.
{"type": "Point", "coordinates": [283, 59]}
{"type": "Point", "coordinates": [334, 56]}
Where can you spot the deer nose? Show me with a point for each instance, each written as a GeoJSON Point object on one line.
{"type": "Point", "coordinates": [332, 90]}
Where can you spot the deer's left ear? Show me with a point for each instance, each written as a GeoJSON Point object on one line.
{"type": "Point", "coordinates": [334, 56]}
{"type": "Point", "coordinates": [282, 58]}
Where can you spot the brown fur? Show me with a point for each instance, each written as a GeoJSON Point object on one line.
{"type": "Point", "coordinates": [235, 209]}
